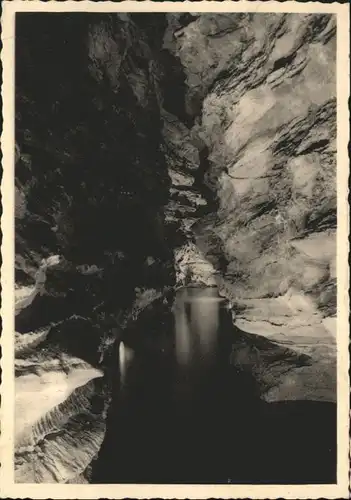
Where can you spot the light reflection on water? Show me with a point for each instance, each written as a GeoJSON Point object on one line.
{"type": "Point", "coordinates": [196, 314]}
{"type": "Point", "coordinates": [182, 400]}
{"type": "Point", "coordinates": [126, 355]}
{"type": "Point", "coordinates": [195, 340]}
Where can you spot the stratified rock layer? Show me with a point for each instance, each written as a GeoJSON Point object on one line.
{"type": "Point", "coordinates": [267, 87]}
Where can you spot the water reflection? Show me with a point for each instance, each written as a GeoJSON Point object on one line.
{"type": "Point", "coordinates": [172, 376]}
{"type": "Point", "coordinates": [126, 355]}
{"type": "Point", "coordinates": [182, 330]}
{"type": "Point", "coordinates": [196, 313]}
{"type": "Point", "coordinates": [182, 414]}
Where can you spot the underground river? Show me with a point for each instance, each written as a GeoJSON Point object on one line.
{"type": "Point", "coordinates": [181, 413]}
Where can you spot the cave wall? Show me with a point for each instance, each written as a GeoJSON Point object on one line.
{"type": "Point", "coordinates": [90, 147]}
{"type": "Point", "coordinates": [266, 84]}
{"type": "Point", "coordinates": [92, 243]}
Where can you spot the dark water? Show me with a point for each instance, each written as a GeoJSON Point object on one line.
{"type": "Point", "coordinates": [182, 414]}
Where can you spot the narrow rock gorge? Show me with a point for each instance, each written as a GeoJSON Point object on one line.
{"type": "Point", "coordinates": [157, 153]}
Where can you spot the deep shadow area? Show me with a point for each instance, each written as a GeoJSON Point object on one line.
{"type": "Point", "coordinates": [199, 420]}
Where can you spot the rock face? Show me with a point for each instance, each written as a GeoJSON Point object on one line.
{"type": "Point", "coordinates": [154, 151]}
{"type": "Point", "coordinates": [91, 185]}
{"type": "Point", "coordinates": [60, 400]}
{"type": "Point", "coordinates": [267, 87]}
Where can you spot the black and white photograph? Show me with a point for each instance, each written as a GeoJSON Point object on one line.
{"type": "Point", "coordinates": [180, 278]}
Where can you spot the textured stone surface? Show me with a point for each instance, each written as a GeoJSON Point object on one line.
{"type": "Point", "coordinates": [267, 87]}
{"type": "Point", "coordinates": [55, 406]}
{"type": "Point", "coordinates": [49, 453]}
